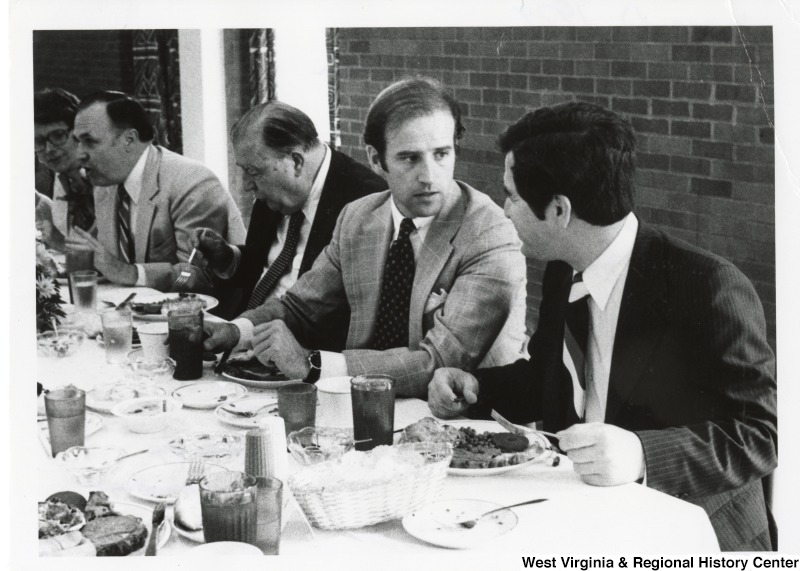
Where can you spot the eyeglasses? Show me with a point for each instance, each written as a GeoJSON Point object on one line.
{"type": "Point", "coordinates": [56, 137]}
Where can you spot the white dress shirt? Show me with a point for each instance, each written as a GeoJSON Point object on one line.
{"type": "Point", "coordinates": [605, 281]}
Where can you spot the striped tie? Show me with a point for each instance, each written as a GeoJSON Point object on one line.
{"type": "Point", "coordinates": [125, 238]}
{"type": "Point", "coordinates": [279, 266]}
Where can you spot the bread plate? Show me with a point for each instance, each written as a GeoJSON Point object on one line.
{"type": "Point", "coordinates": [436, 523]}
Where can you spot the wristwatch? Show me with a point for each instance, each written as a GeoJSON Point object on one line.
{"type": "Point", "coordinates": [315, 364]}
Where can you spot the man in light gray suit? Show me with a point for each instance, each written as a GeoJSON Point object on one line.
{"type": "Point", "coordinates": [148, 200]}
{"type": "Point", "coordinates": [431, 269]}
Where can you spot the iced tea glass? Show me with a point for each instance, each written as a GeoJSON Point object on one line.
{"type": "Point", "coordinates": [373, 410]}
{"type": "Point", "coordinates": [228, 502]}
{"type": "Point", "coordinates": [185, 320]}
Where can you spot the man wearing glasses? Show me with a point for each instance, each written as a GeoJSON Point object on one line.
{"type": "Point", "coordinates": [73, 201]}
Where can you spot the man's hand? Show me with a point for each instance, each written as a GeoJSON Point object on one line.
{"type": "Point", "coordinates": [214, 248]}
{"type": "Point", "coordinates": [221, 336]}
{"type": "Point", "coordinates": [107, 263]}
{"type": "Point", "coordinates": [196, 282]}
{"type": "Point", "coordinates": [272, 341]}
{"type": "Point", "coordinates": [603, 454]}
{"type": "Point", "coordinates": [451, 391]}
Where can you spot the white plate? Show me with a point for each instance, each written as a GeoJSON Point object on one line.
{"type": "Point", "coordinates": [436, 523]}
{"type": "Point", "coordinates": [163, 483]}
{"type": "Point", "coordinates": [491, 426]}
{"type": "Point", "coordinates": [102, 399]}
{"type": "Point", "coordinates": [262, 384]}
{"type": "Point", "coordinates": [251, 403]}
{"type": "Point", "coordinates": [209, 394]}
{"type": "Point", "coordinates": [146, 514]}
{"type": "Point", "coordinates": [210, 302]}
{"type": "Point", "coordinates": [224, 549]}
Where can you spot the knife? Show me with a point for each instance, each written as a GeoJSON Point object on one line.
{"type": "Point", "coordinates": [222, 361]}
{"type": "Point", "coordinates": [158, 519]}
{"type": "Point", "coordinates": [126, 300]}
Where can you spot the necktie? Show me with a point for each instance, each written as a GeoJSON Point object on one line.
{"type": "Point", "coordinates": [576, 338]}
{"type": "Point", "coordinates": [391, 328]}
{"type": "Point", "coordinates": [267, 282]}
{"type": "Point", "coordinates": [124, 235]}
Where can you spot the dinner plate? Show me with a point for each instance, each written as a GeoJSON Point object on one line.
{"type": "Point", "coordinates": [103, 399]}
{"type": "Point", "coordinates": [248, 404]}
{"type": "Point", "coordinates": [146, 514]}
{"type": "Point", "coordinates": [491, 426]}
{"type": "Point", "coordinates": [211, 303]}
{"type": "Point", "coordinates": [163, 483]}
{"type": "Point", "coordinates": [209, 394]}
{"type": "Point", "coordinates": [436, 523]}
{"type": "Point", "coordinates": [246, 370]}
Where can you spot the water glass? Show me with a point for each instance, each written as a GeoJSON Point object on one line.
{"type": "Point", "coordinates": [66, 418]}
{"type": "Point", "coordinates": [270, 503]}
{"type": "Point", "coordinates": [228, 502]}
{"type": "Point", "coordinates": [185, 320]}
{"type": "Point", "coordinates": [117, 333]}
{"type": "Point", "coordinates": [297, 405]}
{"type": "Point", "coordinates": [84, 290]}
{"type": "Point", "coordinates": [373, 410]}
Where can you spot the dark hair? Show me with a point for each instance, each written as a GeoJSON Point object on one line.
{"type": "Point", "coordinates": [407, 99]}
{"type": "Point", "coordinates": [123, 111]}
{"type": "Point", "coordinates": [580, 150]}
{"type": "Point", "coordinates": [54, 105]}
{"type": "Point", "coordinates": [283, 127]}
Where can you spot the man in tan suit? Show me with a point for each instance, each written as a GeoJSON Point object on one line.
{"type": "Point", "coordinates": [148, 200]}
{"type": "Point", "coordinates": [430, 269]}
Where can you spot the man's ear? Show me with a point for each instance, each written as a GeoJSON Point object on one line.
{"type": "Point", "coordinates": [130, 136]}
{"type": "Point", "coordinates": [374, 160]}
{"type": "Point", "coordinates": [299, 159]}
{"type": "Point", "coordinates": [561, 209]}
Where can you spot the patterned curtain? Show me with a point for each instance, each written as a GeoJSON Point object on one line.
{"type": "Point", "coordinates": [261, 65]}
{"type": "Point", "coordinates": [331, 40]}
{"type": "Point", "coordinates": [157, 80]}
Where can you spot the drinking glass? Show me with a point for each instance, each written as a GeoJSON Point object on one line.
{"type": "Point", "coordinates": [84, 290]}
{"type": "Point", "coordinates": [185, 320]}
{"type": "Point", "coordinates": [66, 418]}
{"type": "Point", "coordinates": [297, 405]}
{"type": "Point", "coordinates": [373, 410]}
{"type": "Point", "coordinates": [117, 333]}
{"type": "Point", "coordinates": [228, 502]}
{"type": "Point", "coordinates": [270, 503]}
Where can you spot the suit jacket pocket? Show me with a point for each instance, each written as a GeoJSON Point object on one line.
{"type": "Point", "coordinates": [163, 246]}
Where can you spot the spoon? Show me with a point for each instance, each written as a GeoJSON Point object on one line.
{"type": "Point", "coordinates": [248, 413]}
{"type": "Point", "coordinates": [470, 523]}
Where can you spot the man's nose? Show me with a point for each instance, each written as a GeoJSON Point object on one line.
{"type": "Point", "coordinates": [425, 170]}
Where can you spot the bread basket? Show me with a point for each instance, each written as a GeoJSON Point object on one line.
{"type": "Point", "coordinates": [366, 497]}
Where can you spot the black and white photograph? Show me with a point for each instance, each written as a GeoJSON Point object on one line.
{"type": "Point", "coordinates": [388, 285]}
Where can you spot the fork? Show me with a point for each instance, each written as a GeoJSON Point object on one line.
{"type": "Point", "coordinates": [158, 519]}
{"type": "Point", "coordinates": [184, 276]}
{"type": "Point", "coordinates": [248, 413]}
{"type": "Point", "coordinates": [195, 474]}
{"type": "Point", "coordinates": [505, 423]}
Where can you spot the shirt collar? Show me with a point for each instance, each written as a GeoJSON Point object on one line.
{"type": "Point", "coordinates": [397, 218]}
{"type": "Point", "coordinates": [314, 195]}
{"type": "Point", "coordinates": [604, 272]}
{"type": "Point", "coordinates": [133, 184]}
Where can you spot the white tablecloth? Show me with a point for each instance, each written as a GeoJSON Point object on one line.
{"type": "Point", "coordinates": [577, 520]}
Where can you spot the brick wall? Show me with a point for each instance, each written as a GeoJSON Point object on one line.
{"type": "Point", "coordinates": [83, 61]}
{"type": "Point", "coordinates": [700, 99]}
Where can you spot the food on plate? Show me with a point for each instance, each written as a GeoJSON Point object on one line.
{"type": "Point", "coordinates": [246, 366]}
{"type": "Point", "coordinates": [474, 450]}
{"type": "Point", "coordinates": [154, 307]}
{"type": "Point", "coordinates": [187, 508]}
{"type": "Point", "coordinates": [147, 409]}
{"type": "Point", "coordinates": [70, 544]}
{"type": "Point", "coordinates": [57, 518]}
{"type": "Point", "coordinates": [113, 534]}
{"type": "Point", "coordinates": [71, 498]}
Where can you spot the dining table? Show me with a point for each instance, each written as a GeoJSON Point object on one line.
{"type": "Point", "coordinates": [577, 519]}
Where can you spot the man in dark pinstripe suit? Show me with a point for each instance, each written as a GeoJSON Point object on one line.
{"type": "Point", "coordinates": [673, 383]}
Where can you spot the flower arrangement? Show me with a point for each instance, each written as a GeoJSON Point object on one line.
{"type": "Point", "coordinates": [48, 292]}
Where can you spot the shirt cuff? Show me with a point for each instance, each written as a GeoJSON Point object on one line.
{"type": "Point", "coordinates": [245, 334]}
{"type": "Point", "coordinates": [230, 270]}
{"type": "Point", "coordinates": [332, 364]}
{"type": "Point", "coordinates": [141, 278]}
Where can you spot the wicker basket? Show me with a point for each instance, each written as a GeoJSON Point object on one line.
{"type": "Point", "coordinates": [351, 505]}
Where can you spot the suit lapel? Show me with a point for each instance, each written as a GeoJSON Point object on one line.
{"type": "Point", "coordinates": [641, 310]}
{"type": "Point", "coordinates": [433, 255]}
{"type": "Point", "coordinates": [146, 207]}
{"type": "Point", "coordinates": [330, 204]}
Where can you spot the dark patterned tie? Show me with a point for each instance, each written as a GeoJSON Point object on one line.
{"type": "Point", "coordinates": [391, 329]}
{"type": "Point", "coordinates": [268, 281]}
{"type": "Point", "coordinates": [125, 237]}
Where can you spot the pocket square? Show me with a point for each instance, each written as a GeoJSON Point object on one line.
{"type": "Point", "coordinates": [435, 301]}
